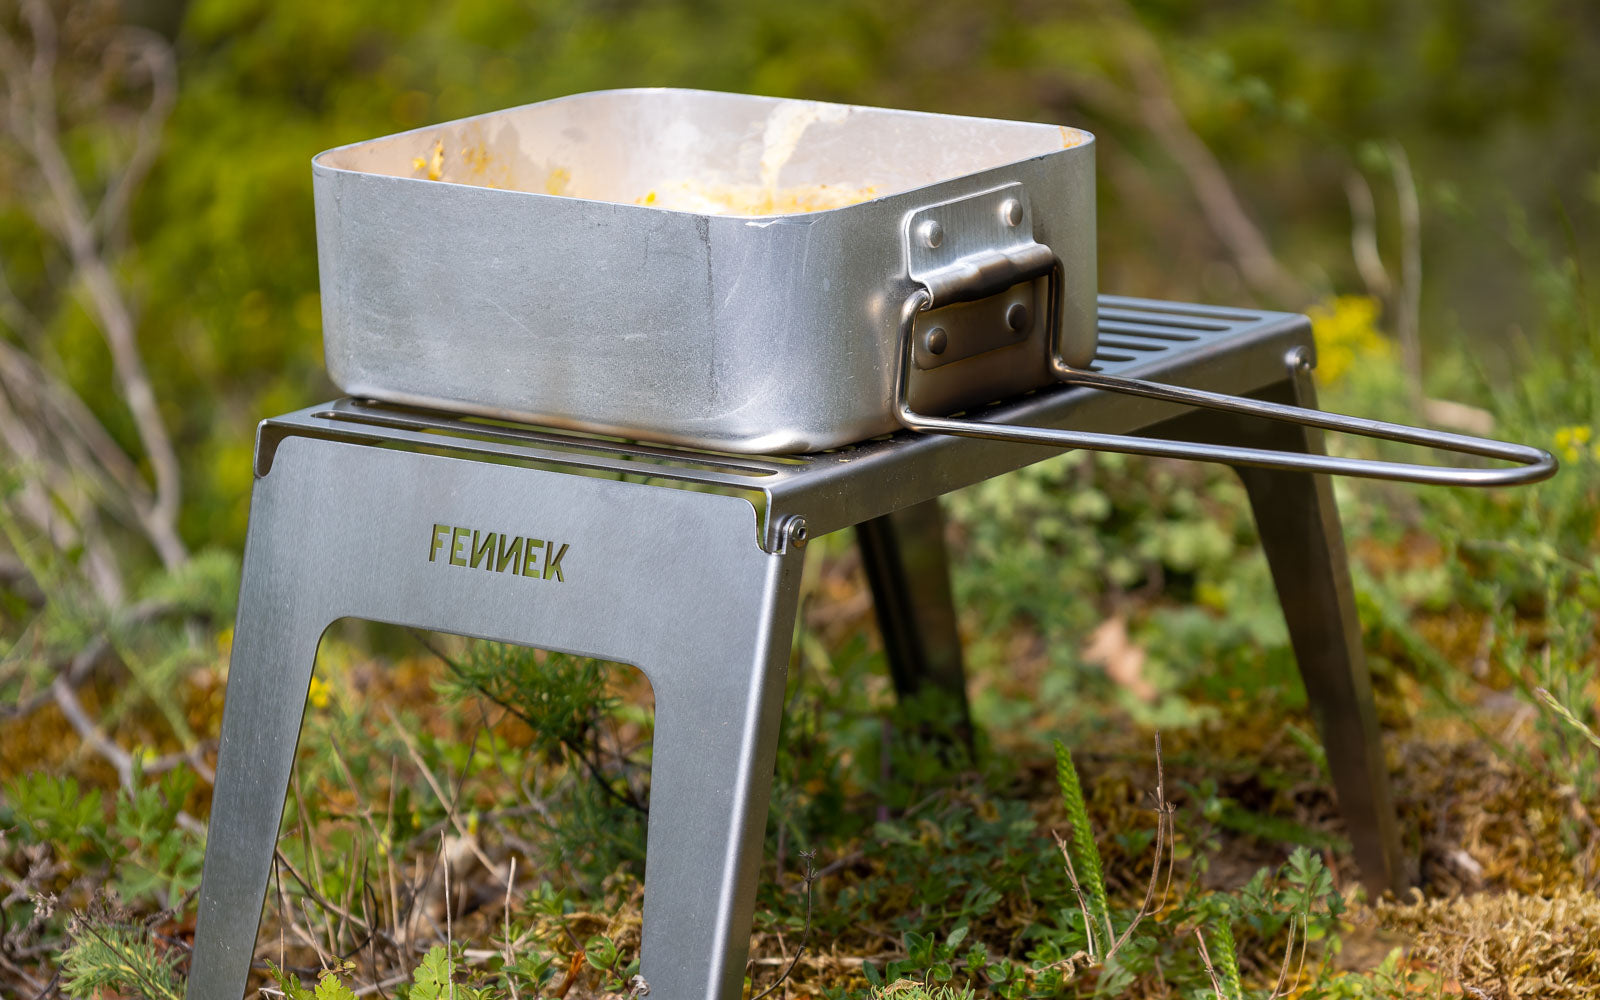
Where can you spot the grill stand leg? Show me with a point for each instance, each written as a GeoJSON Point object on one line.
{"type": "Point", "coordinates": [274, 646]}
{"type": "Point", "coordinates": [908, 570]}
{"type": "Point", "coordinates": [670, 580]}
{"type": "Point", "coordinates": [1298, 522]}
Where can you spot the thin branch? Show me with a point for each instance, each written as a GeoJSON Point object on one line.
{"type": "Point", "coordinates": [511, 877]}
{"type": "Point", "coordinates": [66, 699]}
{"type": "Point", "coordinates": [1163, 840]}
{"type": "Point", "coordinates": [155, 55]}
{"type": "Point", "coordinates": [1288, 956]}
{"type": "Point", "coordinates": [810, 878]}
{"type": "Point", "coordinates": [1408, 315]}
{"type": "Point", "coordinates": [1089, 929]}
{"type": "Point", "coordinates": [449, 937]}
{"type": "Point", "coordinates": [66, 212]}
{"type": "Point", "coordinates": [378, 987]}
{"type": "Point", "coordinates": [317, 897]}
{"type": "Point", "coordinates": [1211, 970]}
{"type": "Point", "coordinates": [1364, 237]}
{"type": "Point", "coordinates": [447, 801]}
{"type": "Point", "coordinates": [1219, 203]}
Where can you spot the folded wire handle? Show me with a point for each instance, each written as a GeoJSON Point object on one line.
{"type": "Point", "coordinates": [1533, 464]}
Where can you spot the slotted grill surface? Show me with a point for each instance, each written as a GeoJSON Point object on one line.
{"type": "Point", "coordinates": [1133, 330]}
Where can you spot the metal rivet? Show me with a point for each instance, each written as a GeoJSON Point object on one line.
{"type": "Point", "coordinates": [1299, 360]}
{"type": "Point", "coordinates": [1017, 317]}
{"type": "Point", "coordinates": [794, 531]}
{"type": "Point", "coordinates": [936, 340]}
{"type": "Point", "coordinates": [1011, 212]}
{"type": "Point", "coordinates": [930, 233]}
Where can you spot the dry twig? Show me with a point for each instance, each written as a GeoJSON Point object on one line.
{"type": "Point", "coordinates": [91, 234]}
{"type": "Point", "coordinates": [1364, 237]}
{"type": "Point", "coordinates": [1408, 321]}
{"type": "Point", "coordinates": [1224, 213]}
{"type": "Point", "coordinates": [809, 878]}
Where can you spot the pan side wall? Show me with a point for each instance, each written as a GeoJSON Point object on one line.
{"type": "Point", "coordinates": [758, 336]}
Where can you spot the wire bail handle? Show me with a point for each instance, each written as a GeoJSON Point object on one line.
{"type": "Point", "coordinates": [974, 278]}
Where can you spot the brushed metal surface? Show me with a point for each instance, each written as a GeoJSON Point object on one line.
{"type": "Point", "coordinates": [667, 580]}
{"type": "Point", "coordinates": [977, 269]}
{"type": "Point", "coordinates": [553, 299]}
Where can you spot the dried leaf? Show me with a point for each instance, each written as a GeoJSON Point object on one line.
{"type": "Point", "coordinates": [1122, 659]}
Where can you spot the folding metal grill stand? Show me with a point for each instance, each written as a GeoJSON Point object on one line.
{"type": "Point", "coordinates": [687, 566]}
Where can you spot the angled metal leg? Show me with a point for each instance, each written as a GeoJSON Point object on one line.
{"type": "Point", "coordinates": [671, 581]}
{"type": "Point", "coordinates": [719, 703]}
{"type": "Point", "coordinates": [1298, 522]}
{"type": "Point", "coordinates": [274, 644]}
{"type": "Point", "coordinates": [908, 570]}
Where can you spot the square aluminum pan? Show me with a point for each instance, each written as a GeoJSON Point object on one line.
{"type": "Point", "coordinates": [503, 265]}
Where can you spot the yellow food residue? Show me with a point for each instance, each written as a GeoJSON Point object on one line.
{"type": "Point", "coordinates": [476, 158]}
{"type": "Point", "coordinates": [472, 163]}
{"type": "Point", "coordinates": [785, 127]}
{"type": "Point", "coordinates": [433, 163]}
{"type": "Point", "coordinates": [753, 199]}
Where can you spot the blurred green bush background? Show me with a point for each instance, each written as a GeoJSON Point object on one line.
{"type": "Point", "coordinates": [1423, 179]}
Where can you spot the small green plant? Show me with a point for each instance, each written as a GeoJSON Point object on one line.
{"type": "Point", "coordinates": [935, 960]}
{"type": "Point", "coordinates": [433, 979]}
{"type": "Point", "coordinates": [1082, 858]}
{"type": "Point", "coordinates": [908, 989]}
{"type": "Point", "coordinates": [1300, 899]}
{"type": "Point", "coordinates": [137, 846]}
{"type": "Point", "coordinates": [1105, 945]}
{"type": "Point", "coordinates": [109, 950]}
{"type": "Point", "coordinates": [329, 985]}
{"type": "Point", "coordinates": [601, 784]}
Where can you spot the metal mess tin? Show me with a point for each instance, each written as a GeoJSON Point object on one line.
{"type": "Point", "coordinates": [516, 265]}
{"type": "Point", "coordinates": [750, 274]}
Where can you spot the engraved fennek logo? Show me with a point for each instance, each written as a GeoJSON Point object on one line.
{"type": "Point", "coordinates": [497, 552]}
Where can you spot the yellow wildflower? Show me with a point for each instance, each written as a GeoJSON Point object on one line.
{"type": "Point", "coordinates": [1570, 442]}
{"type": "Point", "coordinates": [321, 693]}
{"type": "Point", "coordinates": [1347, 334]}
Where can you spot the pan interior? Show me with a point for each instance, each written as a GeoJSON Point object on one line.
{"type": "Point", "coordinates": [704, 152]}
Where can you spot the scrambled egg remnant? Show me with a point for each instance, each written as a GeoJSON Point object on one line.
{"type": "Point", "coordinates": [433, 163]}
{"type": "Point", "coordinates": [753, 199]}
{"type": "Point", "coordinates": [780, 139]}
{"type": "Point", "coordinates": [473, 163]}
